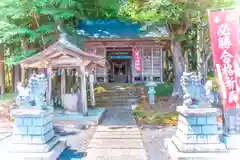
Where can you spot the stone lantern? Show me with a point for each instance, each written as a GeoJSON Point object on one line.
{"type": "Point", "coordinates": [151, 91]}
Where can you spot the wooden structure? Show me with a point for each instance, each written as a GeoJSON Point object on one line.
{"type": "Point", "coordinates": [63, 54]}
{"type": "Point", "coordinates": [107, 38]}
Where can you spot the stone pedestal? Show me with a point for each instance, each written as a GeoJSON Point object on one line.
{"type": "Point", "coordinates": [71, 102]}
{"type": "Point", "coordinates": [231, 136]}
{"type": "Point", "coordinates": [196, 135]}
{"type": "Point", "coordinates": [33, 135]}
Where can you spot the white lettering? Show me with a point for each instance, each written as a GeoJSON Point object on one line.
{"type": "Point", "coordinates": [223, 30]}
{"type": "Point", "coordinates": [224, 42]}
{"type": "Point", "coordinates": [225, 55]}
{"type": "Point", "coordinates": [202, 139]}
{"type": "Point", "coordinates": [232, 97]}
{"type": "Point", "coordinates": [212, 139]}
{"type": "Point", "coordinates": [229, 82]}
{"type": "Point", "coordinates": [227, 70]}
{"type": "Point", "coordinates": [217, 19]}
{"type": "Point", "coordinates": [192, 139]}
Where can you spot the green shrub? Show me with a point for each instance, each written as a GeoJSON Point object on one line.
{"type": "Point", "coordinates": [211, 76]}
{"type": "Point", "coordinates": [164, 90]}
{"type": "Point", "coordinates": [99, 89]}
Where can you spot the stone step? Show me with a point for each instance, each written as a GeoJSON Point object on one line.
{"type": "Point", "coordinates": [116, 143]}
{"type": "Point", "coordinates": [117, 99]}
{"type": "Point", "coordinates": [116, 104]}
{"type": "Point", "coordinates": [116, 92]}
{"type": "Point", "coordinates": [118, 96]}
{"type": "Point", "coordinates": [117, 154]}
{"type": "Point", "coordinates": [117, 135]}
{"type": "Point", "coordinates": [104, 98]}
{"type": "Point", "coordinates": [117, 128]}
{"type": "Point", "coordinates": [127, 101]}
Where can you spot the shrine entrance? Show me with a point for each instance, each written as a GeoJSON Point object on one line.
{"type": "Point", "coordinates": [120, 70]}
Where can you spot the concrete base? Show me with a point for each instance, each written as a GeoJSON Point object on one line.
{"type": "Point", "coordinates": [53, 154]}
{"type": "Point", "coordinates": [231, 141]}
{"type": "Point", "coordinates": [175, 154]}
{"type": "Point", "coordinates": [198, 147]}
{"type": "Point", "coordinates": [33, 148]}
{"type": "Point", "coordinates": [95, 116]}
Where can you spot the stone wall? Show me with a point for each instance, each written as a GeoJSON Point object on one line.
{"type": "Point", "coordinates": [200, 129]}
{"type": "Point", "coordinates": [33, 129]}
{"type": "Point", "coordinates": [197, 131]}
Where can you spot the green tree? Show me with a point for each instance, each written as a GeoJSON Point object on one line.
{"type": "Point", "coordinates": [28, 26]}
{"type": "Point", "coordinates": [178, 15]}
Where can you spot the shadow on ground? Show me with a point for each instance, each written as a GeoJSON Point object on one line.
{"type": "Point", "coordinates": [61, 132]}
{"type": "Point", "coordinates": [71, 154]}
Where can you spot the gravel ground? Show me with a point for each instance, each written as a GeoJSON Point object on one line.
{"type": "Point", "coordinates": [153, 140]}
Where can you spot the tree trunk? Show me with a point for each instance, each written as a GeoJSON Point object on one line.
{"type": "Point", "coordinates": [200, 56]}
{"type": "Point", "coordinates": [13, 78]}
{"type": "Point", "coordinates": [178, 66]}
{"type": "Point", "coordinates": [186, 67]}
{"type": "Point", "coordinates": [2, 69]}
{"type": "Point", "coordinates": [17, 78]}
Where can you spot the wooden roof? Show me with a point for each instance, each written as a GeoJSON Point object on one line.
{"type": "Point", "coordinates": [62, 54]}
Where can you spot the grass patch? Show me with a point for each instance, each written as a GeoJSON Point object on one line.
{"type": "Point", "coordinates": [152, 117]}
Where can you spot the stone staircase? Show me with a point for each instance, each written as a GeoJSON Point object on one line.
{"type": "Point", "coordinates": [117, 94]}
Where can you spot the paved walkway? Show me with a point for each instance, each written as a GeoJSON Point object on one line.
{"type": "Point", "coordinates": [117, 138]}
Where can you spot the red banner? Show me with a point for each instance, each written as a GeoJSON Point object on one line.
{"type": "Point", "coordinates": [223, 33]}
{"type": "Point", "coordinates": [91, 51]}
{"type": "Point", "coordinates": [137, 59]}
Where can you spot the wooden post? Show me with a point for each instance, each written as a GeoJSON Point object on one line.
{"type": "Point", "coordinates": [133, 71]}
{"type": "Point", "coordinates": [13, 71]}
{"type": "Point", "coordinates": [17, 76]}
{"type": "Point", "coordinates": [105, 70]}
{"type": "Point", "coordinates": [92, 95]}
{"type": "Point", "coordinates": [22, 75]}
{"type": "Point", "coordinates": [30, 72]}
{"type": "Point", "coordinates": [152, 60]}
{"type": "Point", "coordinates": [161, 56]}
{"type": "Point", "coordinates": [63, 81]}
{"type": "Point", "coordinates": [83, 91]}
{"type": "Point", "coordinates": [49, 94]}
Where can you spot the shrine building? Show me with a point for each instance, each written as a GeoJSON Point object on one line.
{"type": "Point", "coordinates": [134, 54]}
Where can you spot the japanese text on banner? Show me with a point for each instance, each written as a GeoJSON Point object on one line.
{"type": "Point", "coordinates": [137, 59]}
{"type": "Point", "coordinates": [223, 40]}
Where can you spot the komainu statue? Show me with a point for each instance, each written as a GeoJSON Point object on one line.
{"type": "Point", "coordinates": [34, 94]}
{"type": "Point", "coordinates": [195, 94]}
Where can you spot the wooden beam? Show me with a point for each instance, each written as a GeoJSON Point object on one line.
{"type": "Point", "coordinates": [91, 83]}
{"type": "Point", "coordinates": [22, 74]}
{"type": "Point", "coordinates": [105, 70]}
{"type": "Point", "coordinates": [49, 93]}
{"type": "Point", "coordinates": [83, 92]}
{"type": "Point", "coordinates": [125, 43]}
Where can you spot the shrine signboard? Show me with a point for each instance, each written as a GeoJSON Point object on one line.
{"type": "Point", "coordinates": [137, 59]}
{"type": "Point", "coordinates": [223, 26]}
